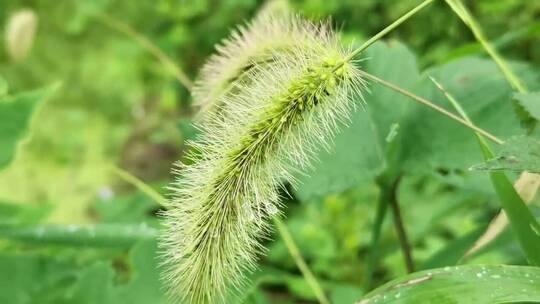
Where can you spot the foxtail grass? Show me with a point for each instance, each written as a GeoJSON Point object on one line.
{"type": "Point", "coordinates": [280, 113]}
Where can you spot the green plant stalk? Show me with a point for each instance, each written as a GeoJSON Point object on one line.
{"type": "Point", "coordinates": [400, 227]}
{"type": "Point", "coordinates": [463, 13]}
{"type": "Point", "coordinates": [140, 185]}
{"type": "Point", "coordinates": [431, 105]}
{"type": "Point", "coordinates": [523, 222]}
{"type": "Point", "coordinates": [372, 259]}
{"type": "Point", "coordinates": [388, 29]}
{"type": "Point", "coordinates": [149, 46]}
{"type": "Point", "coordinates": [282, 229]}
{"type": "Point", "coordinates": [300, 262]}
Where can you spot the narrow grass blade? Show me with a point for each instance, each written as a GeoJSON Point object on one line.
{"type": "Point", "coordinates": [526, 228]}
{"type": "Point", "coordinates": [102, 235]}
{"type": "Point", "coordinates": [527, 185]}
{"type": "Point", "coordinates": [299, 260]}
{"type": "Point", "coordinates": [463, 13]}
{"type": "Point", "coordinates": [140, 185]}
{"type": "Point", "coordinates": [468, 284]}
{"type": "Point", "coordinates": [149, 46]}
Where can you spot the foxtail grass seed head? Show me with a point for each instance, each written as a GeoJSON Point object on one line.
{"type": "Point", "coordinates": [272, 31]}
{"type": "Point", "coordinates": [279, 115]}
{"type": "Point", "coordinates": [20, 33]}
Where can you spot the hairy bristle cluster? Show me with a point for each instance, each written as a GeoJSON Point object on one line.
{"type": "Point", "coordinates": [280, 113]}
{"type": "Point", "coordinates": [248, 46]}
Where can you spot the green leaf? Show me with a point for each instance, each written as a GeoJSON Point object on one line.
{"type": "Point", "coordinates": [433, 141]}
{"type": "Point", "coordinates": [517, 154]}
{"type": "Point", "coordinates": [33, 279]}
{"type": "Point", "coordinates": [61, 279]}
{"type": "Point", "coordinates": [107, 235]}
{"type": "Point", "coordinates": [15, 114]}
{"type": "Point", "coordinates": [145, 285]}
{"type": "Point", "coordinates": [462, 284]}
{"type": "Point", "coordinates": [94, 284]}
{"type": "Point", "coordinates": [531, 103]}
{"type": "Point", "coordinates": [526, 228]}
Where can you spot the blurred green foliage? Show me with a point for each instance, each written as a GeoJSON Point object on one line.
{"type": "Point", "coordinates": [118, 104]}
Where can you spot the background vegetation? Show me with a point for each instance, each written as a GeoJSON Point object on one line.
{"type": "Point", "coordinates": [105, 102]}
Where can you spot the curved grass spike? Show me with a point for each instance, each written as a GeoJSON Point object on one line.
{"type": "Point", "coordinates": [281, 112]}
{"type": "Point", "coordinates": [249, 46]}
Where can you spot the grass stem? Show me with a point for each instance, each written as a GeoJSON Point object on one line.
{"type": "Point", "coordinates": [387, 30]}
{"type": "Point", "coordinates": [149, 46]}
{"type": "Point", "coordinates": [463, 13]}
{"type": "Point", "coordinates": [373, 257]}
{"type": "Point", "coordinates": [300, 262]}
{"type": "Point", "coordinates": [140, 185]}
{"type": "Point", "coordinates": [400, 226]}
{"type": "Point", "coordinates": [431, 105]}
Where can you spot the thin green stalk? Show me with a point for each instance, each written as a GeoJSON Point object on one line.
{"type": "Point", "coordinates": [282, 229]}
{"type": "Point", "coordinates": [149, 46]}
{"type": "Point", "coordinates": [400, 226]}
{"type": "Point", "coordinates": [299, 260]}
{"type": "Point", "coordinates": [372, 260]}
{"type": "Point", "coordinates": [388, 29]}
{"type": "Point", "coordinates": [139, 184]}
{"type": "Point", "coordinates": [431, 105]}
{"type": "Point", "coordinates": [461, 10]}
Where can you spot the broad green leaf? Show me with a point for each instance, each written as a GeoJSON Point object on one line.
{"type": "Point", "coordinates": [462, 284]}
{"type": "Point", "coordinates": [145, 285]}
{"type": "Point", "coordinates": [530, 102]}
{"type": "Point", "coordinates": [61, 279]}
{"type": "Point", "coordinates": [433, 141]}
{"type": "Point", "coordinates": [31, 279]}
{"type": "Point", "coordinates": [107, 235]}
{"type": "Point", "coordinates": [15, 114]}
{"type": "Point", "coordinates": [517, 154]}
{"type": "Point", "coordinates": [94, 284]}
